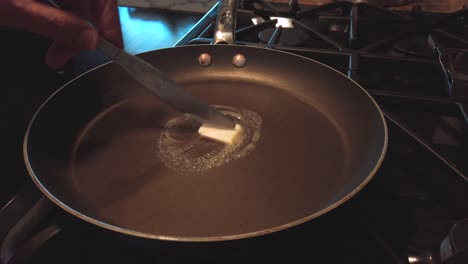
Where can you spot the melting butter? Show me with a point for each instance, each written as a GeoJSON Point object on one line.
{"type": "Point", "coordinates": [183, 149]}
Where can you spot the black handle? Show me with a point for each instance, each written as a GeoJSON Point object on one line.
{"type": "Point", "coordinates": [18, 221]}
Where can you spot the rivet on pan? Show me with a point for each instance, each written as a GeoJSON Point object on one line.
{"type": "Point", "coordinates": [239, 60]}
{"type": "Point", "coordinates": [204, 59]}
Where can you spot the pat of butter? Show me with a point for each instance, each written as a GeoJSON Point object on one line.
{"type": "Point", "coordinates": [226, 136]}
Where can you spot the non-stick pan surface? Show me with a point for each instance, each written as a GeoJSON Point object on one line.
{"type": "Point", "coordinates": [94, 147]}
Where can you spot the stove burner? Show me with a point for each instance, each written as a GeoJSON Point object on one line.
{"type": "Point", "coordinates": [288, 37]}
{"type": "Point", "coordinates": [415, 46]}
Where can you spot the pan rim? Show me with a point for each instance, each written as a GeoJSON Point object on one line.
{"type": "Point", "coordinates": [252, 234]}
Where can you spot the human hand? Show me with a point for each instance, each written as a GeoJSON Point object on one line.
{"type": "Point", "coordinates": [68, 28]}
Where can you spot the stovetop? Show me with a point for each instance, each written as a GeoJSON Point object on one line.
{"type": "Point", "coordinates": [415, 64]}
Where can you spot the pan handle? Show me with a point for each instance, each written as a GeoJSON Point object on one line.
{"type": "Point", "coordinates": [225, 22]}
{"type": "Point", "coordinates": [19, 242]}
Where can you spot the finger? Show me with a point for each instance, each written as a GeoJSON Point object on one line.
{"type": "Point", "coordinates": [102, 13]}
{"type": "Point", "coordinates": [58, 55]}
{"type": "Point", "coordinates": [67, 29]}
{"type": "Point", "coordinates": [105, 16]}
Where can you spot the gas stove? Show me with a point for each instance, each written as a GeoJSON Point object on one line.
{"type": "Point", "coordinates": [413, 62]}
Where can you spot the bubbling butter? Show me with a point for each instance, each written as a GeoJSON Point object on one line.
{"type": "Point", "coordinates": [183, 148]}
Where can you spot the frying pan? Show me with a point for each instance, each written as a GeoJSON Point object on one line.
{"type": "Point", "coordinates": [94, 147]}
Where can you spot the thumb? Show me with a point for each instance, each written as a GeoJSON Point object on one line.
{"type": "Point", "coordinates": [59, 54]}
{"type": "Point", "coordinates": [69, 44]}
{"type": "Point", "coordinates": [66, 46]}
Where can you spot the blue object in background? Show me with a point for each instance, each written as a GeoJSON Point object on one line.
{"type": "Point", "coordinates": [143, 30]}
